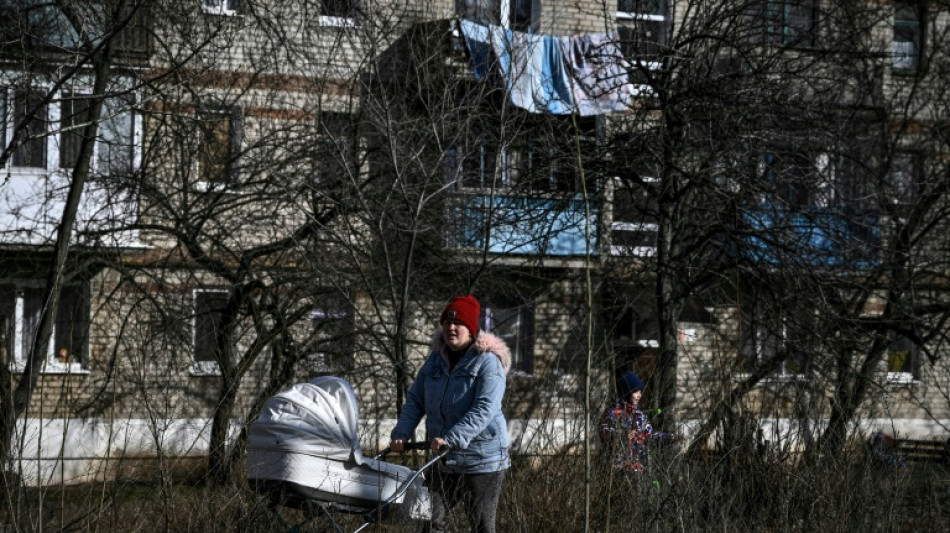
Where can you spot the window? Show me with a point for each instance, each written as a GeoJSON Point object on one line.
{"type": "Point", "coordinates": [338, 12]}
{"type": "Point", "coordinates": [908, 37]}
{"type": "Point", "coordinates": [510, 319]}
{"type": "Point", "coordinates": [644, 26]}
{"type": "Point", "coordinates": [29, 108]}
{"type": "Point", "coordinates": [775, 338]}
{"type": "Point", "coordinates": [476, 165]}
{"type": "Point", "coordinates": [330, 345]}
{"type": "Point", "coordinates": [220, 7]}
{"type": "Point", "coordinates": [633, 229]}
{"type": "Point", "coordinates": [524, 15]}
{"type": "Point", "coordinates": [483, 164]}
{"type": "Point", "coordinates": [336, 160]}
{"type": "Point", "coordinates": [116, 137]}
{"type": "Point", "coordinates": [841, 180]}
{"type": "Point", "coordinates": [34, 25]}
{"type": "Point", "coordinates": [519, 15]}
{"type": "Point", "coordinates": [73, 111]}
{"type": "Point", "coordinates": [799, 178]}
{"type": "Point", "coordinates": [783, 22]}
{"type": "Point", "coordinates": [210, 306]}
{"type": "Point", "coordinates": [220, 135]}
{"type": "Point", "coordinates": [906, 180]}
{"type": "Point", "coordinates": [902, 361]}
{"type": "Point", "coordinates": [20, 309]}
{"type": "Point", "coordinates": [114, 144]}
{"type": "Point", "coordinates": [630, 330]}
{"type": "Point", "coordinates": [539, 159]}
{"type": "Point", "coordinates": [113, 151]}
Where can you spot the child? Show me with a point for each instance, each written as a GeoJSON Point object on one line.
{"type": "Point", "coordinates": [625, 430]}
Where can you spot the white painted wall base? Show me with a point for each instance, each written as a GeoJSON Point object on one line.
{"type": "Point", "coordinates": [73, 451]}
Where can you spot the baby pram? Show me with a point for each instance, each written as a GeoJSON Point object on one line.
{"type": "Point", "coordinates": [303, 452]}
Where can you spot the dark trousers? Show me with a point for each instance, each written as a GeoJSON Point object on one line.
{"type": "Point", "coordinates": [478, 494]}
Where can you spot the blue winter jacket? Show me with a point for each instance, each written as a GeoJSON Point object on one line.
{"type": "Point", "coordinates": [464, 406]}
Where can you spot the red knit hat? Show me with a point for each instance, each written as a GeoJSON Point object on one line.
{"type": "Point", "coordinates": [464, 309]}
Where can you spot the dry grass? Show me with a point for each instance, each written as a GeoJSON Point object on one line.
{"type": "Point", "coordinates": [723, 493]}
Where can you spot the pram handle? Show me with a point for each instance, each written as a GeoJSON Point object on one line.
{"type": "Point", "coordinates": [372, 515]}
{"type": "Point", "coordinates": [407, 446]}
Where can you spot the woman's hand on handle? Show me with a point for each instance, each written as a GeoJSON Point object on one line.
{"type": "Point", "coordinates": [437, 444]}
{"type": "Point", "coordinates": [397, 445]}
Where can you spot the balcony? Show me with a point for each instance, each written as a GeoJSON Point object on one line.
{"type": "Point", "coordinates": [31, 209]}
{"type": "Point", "coordinates": [40, 29]}
{"type": "Point", "coordinates": [810, 238]}
{"type": "Point", "coordinates": [525, 226]}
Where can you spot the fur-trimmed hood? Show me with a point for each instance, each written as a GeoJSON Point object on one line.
{"type": "Point", "coordinates": [484, 343]}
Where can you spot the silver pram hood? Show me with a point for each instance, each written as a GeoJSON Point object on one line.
{"type": "Point", "coordinates": [306, 438]}
{"type": "Point", "coordinates": [319, 418]}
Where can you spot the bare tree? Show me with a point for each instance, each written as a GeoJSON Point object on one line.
{"type": "Point", "coordinates": [89, 40]}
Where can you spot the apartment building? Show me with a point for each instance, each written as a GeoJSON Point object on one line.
{"type": "Point", "coordinates": [723, 197]}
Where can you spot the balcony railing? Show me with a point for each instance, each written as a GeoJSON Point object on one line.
{"type": "Point", "coordinates": [812, 237]}
{"type": "Point", "coordinates": [521, 225]}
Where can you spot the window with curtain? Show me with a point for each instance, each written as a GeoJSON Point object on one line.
{"type": "Point", "coordinates": [21, 305]}
{"type": "Point", "coordinates": [902, 360]}
{"type": "Point", "coordinates": [220, 134]}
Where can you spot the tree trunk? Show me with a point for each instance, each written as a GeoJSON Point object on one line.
{"type": "Point", "coordinates": [16, 400]}
{"type": "Point", "coordinates": [219, 466]}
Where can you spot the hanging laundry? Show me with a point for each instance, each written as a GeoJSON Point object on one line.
{"type": "Point", "coordinates": [584, 74]}
{"type": "Point", "coordinates": [601, 84]}
{"type": "Point", "coordinates": [534, 67]}
{"type": "Point", "coordinates": [478, 42]}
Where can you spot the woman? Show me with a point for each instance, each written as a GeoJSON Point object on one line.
{"type": "Point", "coordinates": [459, 390]}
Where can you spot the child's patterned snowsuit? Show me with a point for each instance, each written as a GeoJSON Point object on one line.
{"type": "Point", "coordinates": [625, 431]}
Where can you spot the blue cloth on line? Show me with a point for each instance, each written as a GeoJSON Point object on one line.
{"type": "Point", "coordinates": [584, 74]}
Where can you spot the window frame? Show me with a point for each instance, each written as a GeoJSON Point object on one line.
{"type": "Point", "coordinates": [644, 226]}
{"type": "Point", "coordinates": [227, 8]}
{"type": "Point", "coordinates": [771, 30]}
{"type": "Point", "coordinates": [501, 13]}
{"type": "Point", "coordinates": [55, 129]}
{"type": "Point", "coordinates": [769, 335]}
{"type": "Point", "coordinates": [234, 115]}
{"type": "Point", "coordinates": [337, 20]}
{"type": "Point", "coordinates": [527, 167]}
{"type": "Point", "coordinates": [203, 367]}
{"type": "Point", "coordinates": [916, 29]}
{"type": "Point", "coordinates": [911, 375]}
{"type": "Point", "coordinates": [632, 25]}
{"type": "Point", "coordinates": [17, 333]}
{"type": "Point", "coordinates": [332, 319]}
{"type": "Point", "coordinates": [42, 132]}
{"type": "Point", "coordinates": [522, 348]}
{"type": "Point", "coordinates": [336, 144]}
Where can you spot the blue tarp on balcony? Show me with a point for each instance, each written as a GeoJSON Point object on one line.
{"type": "Point", "coordinates": [524, 226]}
{"type": "Point", "coordinates": [812, 237]}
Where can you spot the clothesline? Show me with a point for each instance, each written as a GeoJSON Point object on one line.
{"type": "Point", "coordinates": [583, 74]}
